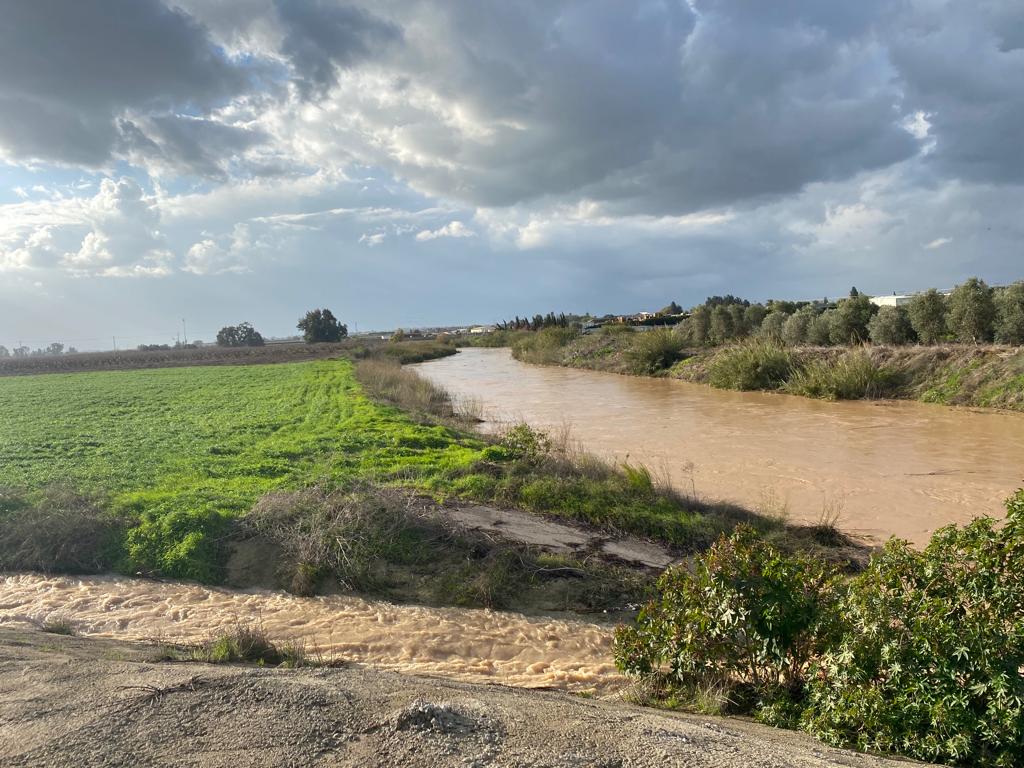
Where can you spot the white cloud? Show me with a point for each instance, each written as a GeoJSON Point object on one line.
{"type": "Point", "coordinates": [372, 240]}
{"type": "Point", "coordinates": [451, 229]}
{"type": "Point", "coordinates": [939, 242]}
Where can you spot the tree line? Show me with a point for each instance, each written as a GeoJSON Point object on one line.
{"type": "Point", "coordinates": [51, 350]}
{"type": "Point", "coordinates": [973, 312]}
{"type": "Point", "coordinates": [317, 326]}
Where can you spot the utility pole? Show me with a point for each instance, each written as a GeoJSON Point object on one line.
{"type": "Point", "coordinates": [184, 331]}
{"type": "Point", "coordinates": [115, 342]}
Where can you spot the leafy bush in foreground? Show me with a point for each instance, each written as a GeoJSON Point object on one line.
{"type": "Point", "coordinates": [930, 661]}
{"type": "Point", "coordinates": [921, 654]}
{"type": "Point", "coordinates": [760, 364]}
{"type": "Point", "coordinates": [748, 619]}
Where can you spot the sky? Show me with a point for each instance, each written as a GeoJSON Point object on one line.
{"type": "Point", "coordinates": [429, 162]}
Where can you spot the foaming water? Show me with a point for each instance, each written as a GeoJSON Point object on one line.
{"type": "Point", "coordinates": [890, 468]}
{"type": "Point", "coordinates": [472, 645]}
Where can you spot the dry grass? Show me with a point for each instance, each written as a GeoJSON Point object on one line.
{"type": "Point", "coordinates": [57, 530]}
{"type": "Point", "coordinates": [385, 379]}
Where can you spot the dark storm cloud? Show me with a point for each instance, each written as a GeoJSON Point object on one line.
{"type": "Point", "coordinates": [963, 65]}
{"type": "Point", "coordinates": [321, 36]}
{"type": "Point", "coordinates": [69, 68]}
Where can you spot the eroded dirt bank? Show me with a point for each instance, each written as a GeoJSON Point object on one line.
{"type": "Point", "coordinates": [90, 703]}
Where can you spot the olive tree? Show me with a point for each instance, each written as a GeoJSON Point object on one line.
{"type": "Point", "coordinates": [794, 330]}
{"type": "Point", "coordinates": [849, 324]}
{"type": "Point", "coordinates": [721, 326]}
{"type": "Point", "coordinates": [972, 311]}
{"type": "Point", "coordinates": [773, 324]}
{"type": "Point", "coordinates": [891, 326]}
{"type": "Point", "coordinates": [819, 330]}
{"type": "Point", "coordinates": [928, 316]}
{"type": "Point", "coordinates": [1010, 314]}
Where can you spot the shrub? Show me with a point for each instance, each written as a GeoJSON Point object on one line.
{"type": "Point", "coordinates": [853, 376]}
{"type": "Point", "coordinates": [241, 643]}
{"type": "Point", "coordinates": [748, 619]}
{"type": "Point", "coordinates": [57, 530]}
{"type": "Point", "coordinates": [341, 534]}
{"type": "Point", "coordinates": [720, 325]}
{"type": "Point", "coordinates": [182, 544]}
{"type": "Point", "coordinates": [758, 364]}
{"type": "Point", "coordinates": [972, 311]}
{"type": "Point", "coordinates": [891, 326]}
{"type": "Point", "coordinates": [543, 347]}
{"type": "Point", "coordinates": [522, 442]}
{"type": "Point", "coordinates": [655, 350]}
{"type": "Point", "coordinates": [928, 316]}
{"type": "Point", "coordinates": [930, 661]}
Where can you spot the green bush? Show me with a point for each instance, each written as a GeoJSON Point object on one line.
{"type": "Point", "coordinates": [747, 619]}
{"type": "Point", "coordinates": [543, 347]}
{"type": "Point", "coordinates": [891, 325]}
{"type": "Point", "coordinates": [853, 376]}
{"type": "Point", "coordinates": [655, 350]}
{"type": "Point", "coordinates": [756, 364]}
{"type": "Point", "coordinates": [930, 661]}
{"type": "Point", "coordinates": [181, 544]}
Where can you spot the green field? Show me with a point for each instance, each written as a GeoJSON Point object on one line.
{"type": "Point", "coordinates": [185, 449]}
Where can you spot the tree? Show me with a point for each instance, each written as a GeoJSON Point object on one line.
{"type": "Point", "coordinates": [972, 312]}
{"type": "Point", "coordinates": [1009, 314]}
{"type": "Point", "coordinates": [753, 316]}
{"type": "Point", "coordinates": [241, 335]}
{"type": "Point", "coordinates": [398, 335]}
{"type": "Point", "coordinates": [850, 322]}
{"type": "Point", "coordinates": [819, 330]}
{"type": "Point", "coordinates": [739, 320]}
{"type": "Point", "coordinates": [794, 331]}
{"type": "Point", "coordinates": [671, 309]}
{"type": "Point", "coordinates": [320, 325]}
{"type": "Point", "coordinates": [55, 349]}
{"type": "Point", "coordinates": [698, 325]}
{"type": "Point", "coordinates": [4, 352]}
{"type": "Point", "coordinates": [721, 327]}
{"type": "Point", "coordinates": [891, 326]}
{"type": "Point", "coordinates": [928, 316]}
{"type": "Point", "coordinates": [772, 325]}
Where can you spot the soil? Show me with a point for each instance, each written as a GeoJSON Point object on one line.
{"type": "Point", "coordinates": [71, 701]}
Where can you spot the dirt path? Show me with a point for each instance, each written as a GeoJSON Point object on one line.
{"type": "Point", "coordinates": [90, 703]}
{"type": "Point", "coordinates": [562, 538]}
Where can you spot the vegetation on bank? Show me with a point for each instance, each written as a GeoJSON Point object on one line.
{"type": "Point", "coordinates": [920, 654]}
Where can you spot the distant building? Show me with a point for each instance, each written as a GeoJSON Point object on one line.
{"type": "Point", "coordinates": [898, 299]}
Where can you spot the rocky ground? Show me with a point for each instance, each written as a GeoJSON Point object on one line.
{"type": "Point", "coordinates": [67, 701]}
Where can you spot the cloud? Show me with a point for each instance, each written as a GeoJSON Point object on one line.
{"type": "Point", "coordinates": [372, 240]}
{"type": "Point", "coordinates": [938, 243]}
{"type": "Point", "coordinates": [69, 70]}
{"type": "Point", "coordinates": [115, 233]}
{"type": "Point", "coordinates": [451, 229]}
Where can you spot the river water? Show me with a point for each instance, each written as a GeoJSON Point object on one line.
{"type": "Point", "coordinates": [474, 645]}
{"type": "Point", "coordinates": [887, 467]}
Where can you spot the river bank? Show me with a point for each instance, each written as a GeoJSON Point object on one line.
{"type": "Point", "coordinates": [97, 703]}
{"type": "Point", "coordinates": [983, 376]}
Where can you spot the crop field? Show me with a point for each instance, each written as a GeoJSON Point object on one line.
{"type": "Point", "coordinates": [181, 450]}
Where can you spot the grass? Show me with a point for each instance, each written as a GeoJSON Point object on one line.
{"type": "Point", "coordinates": [754, 364]}
{"type": "Point", "coordinates": [851, 376]}
{"type": "Point", "coordinates": [182, 451]}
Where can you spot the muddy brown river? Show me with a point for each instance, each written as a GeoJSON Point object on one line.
{"type": "Point", "coordinates": [887, 467]}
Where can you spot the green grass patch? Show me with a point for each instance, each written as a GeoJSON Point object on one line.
{"type": "Point", "coordinates": [183, 451]}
